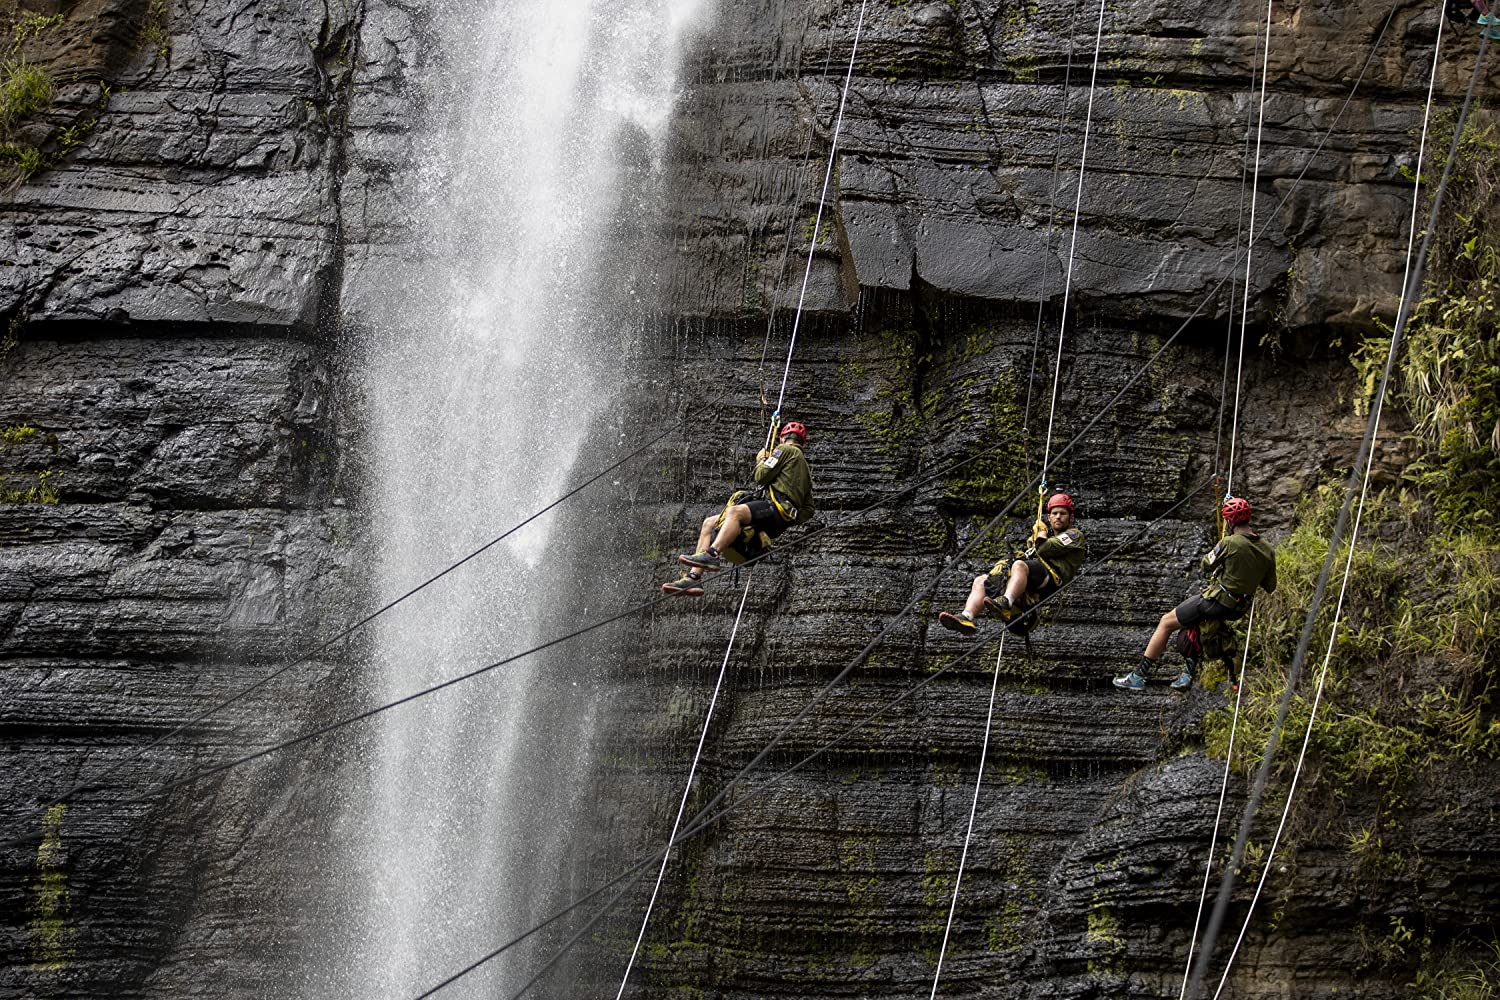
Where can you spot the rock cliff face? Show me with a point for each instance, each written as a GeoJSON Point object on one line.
{"type": "Point", "coordinates": [179, 288]}
{"type": "Point", "coordinates": [166, 288]}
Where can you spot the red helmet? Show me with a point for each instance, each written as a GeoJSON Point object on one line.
{"type": "Point", "coordinates": [1060, 500]}
{"type": "Point", "coordinates": [1236, 511]}
{"type": "Point", "coordinates": [795, 428]}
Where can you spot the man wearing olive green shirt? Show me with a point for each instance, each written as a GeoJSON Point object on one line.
{"type": "Point", "coordinates": [786, 480]}
{"type": "Point", "coordinates": [1056, 557]}
{"type": "Point", "coordinates": [1238, 566]}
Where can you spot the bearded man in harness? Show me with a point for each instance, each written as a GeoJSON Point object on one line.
{"type": "Point", "coordinates": [1240, 564]}
{"type": "Point", "coordinates": [744, 530]}
{"type": "Point", "coordinates": [1056, 555]}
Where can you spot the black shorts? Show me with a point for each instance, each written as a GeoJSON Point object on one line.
{"type": "Point", "coordinates": [1200, 608]}
{"type": "Point", "coordinates": [1038, 580]}
{"type": "Point", "coordinates": [766, 519]}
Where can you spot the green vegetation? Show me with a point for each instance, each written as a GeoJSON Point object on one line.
{"type": "Point", "coordinates": [27, 90]}
{"type": "Point", "coordinates": [1448, 374]}
{"type": "Point", "coordinates": [156, 33]}
{"type": "Point", "coordinates": [1466, 970]}
{"type": "Point", "coordinates": [896, 414]}
{"type": "Point", "coordinates": [40, 489]}
{"type": "Point", "coordinates": [1412, 680]}
{"type": "Point", "coordinates": [50, 897]}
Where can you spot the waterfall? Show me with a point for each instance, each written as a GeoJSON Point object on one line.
{"type": "Point", "coordinates": [480, 390]}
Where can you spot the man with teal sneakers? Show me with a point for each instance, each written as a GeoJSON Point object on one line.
{"type": "Point", "coordinates": [786, 481]}
{"type": "Point", "coordinates": [1238, 566]}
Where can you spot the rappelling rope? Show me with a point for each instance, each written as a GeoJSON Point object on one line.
{"type": "Point", "coordinates": [1363, 456]}
{"type": "Point", "coordinates": [1239, 231]}
{"type": "Point", "coordinates": [833, 149]}
{"type": "Point", "coordinates": [1213, 838]}
{"type": "Point", "coordinates": [958, 879]}
{"type": "Point", "coordinates": [706, 819]}
{"type": "Point", "coordinates": [1338, 610]}
{"type": "Point", "coordinates": [1249, 251]}
{"type": "Point", "coordinates": [1166, 345]}
{"type": "Point", "coordinates": [786, 249]}
{"type": "Point", "coordinates": [687, 787]}
{"type": "Point", "coordinates": [1041, 294]}
{"type": "Point", "coordinates": [1062, 323]}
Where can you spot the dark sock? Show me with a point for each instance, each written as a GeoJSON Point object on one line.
{"type": "Point", "coordinates": [713, 552]}
{"type": "Point", "coordinates": [1147, 665]}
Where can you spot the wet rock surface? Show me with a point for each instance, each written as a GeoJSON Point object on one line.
{"type": "Point", "coordinates": [178, 284]}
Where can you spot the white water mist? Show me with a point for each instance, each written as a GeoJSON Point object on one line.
{"type": "Point", "coordinates": [481, 385]}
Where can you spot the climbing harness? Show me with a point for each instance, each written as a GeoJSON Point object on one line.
{"type": "Point", "coordinates": [751, 543]}
{"type": "Point", "coordinates": [958, 878]}
{"type": "Point", "coordinates": [687, 787]}
{"type": "Point", "coordinates": [1364, 457]}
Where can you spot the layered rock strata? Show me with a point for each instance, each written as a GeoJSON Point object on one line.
{"type": "Point", "coordinates": [177, 285]}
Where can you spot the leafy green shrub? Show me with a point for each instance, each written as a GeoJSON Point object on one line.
{"type": "Point", "coordinates": [25, 89]}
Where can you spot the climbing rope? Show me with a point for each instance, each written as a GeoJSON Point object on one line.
{"type": "Point", "coordinates": [963, 857]}
{"type": "Point", "coordinates": [1249, 250]}
{"type": "Point", "coordinates": [1239, 232]}
{"type": "Point", "coordinates": [786, 249]}
{"type": "Point", "coordinates": [706, 819]}
{"type": "Point", "coordinates": [687, 787]}
{"type": "Point", "coordinates": [1233, 262]}
{"type": "Point", "coordinates": [1213, 838]}
{"type": "Point", "coordinates": [1354, 531]}
{"type": "Point", "coordinates": [293, 742]}
{"type": "Point", "coordinates": [1041, 294]}
{"type": "Point", "coordinates": [833, 149]}
{"type": "Point", "coordinates": [1062, 324]}
{"type": "Point", "coordinates": [1364, 456]}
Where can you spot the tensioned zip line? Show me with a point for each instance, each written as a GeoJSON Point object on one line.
{"type": "Point", "coordinates": [1292, 189]}
{"type": "Point", "coordinates": [479, 671]}
{"type": "Point", "coordinates": [707, 818]}
{"type": "Point", "coordinates": [1364, 456]}
{"type": "Point", "coordinates": [771, 433]}
{"type": "Point", "coordinates": [95, 783]}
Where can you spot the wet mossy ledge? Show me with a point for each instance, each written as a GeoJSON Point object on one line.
{"type": "Point", "coordinates": [1407, 688]}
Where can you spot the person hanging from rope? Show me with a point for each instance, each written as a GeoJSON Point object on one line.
{"type": "Point", "coordinates": [1238, 566]}
{"type": "Point", "coordinates": [1055, 556]}
{"type": "Point", "coordinates": [747, 524]}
